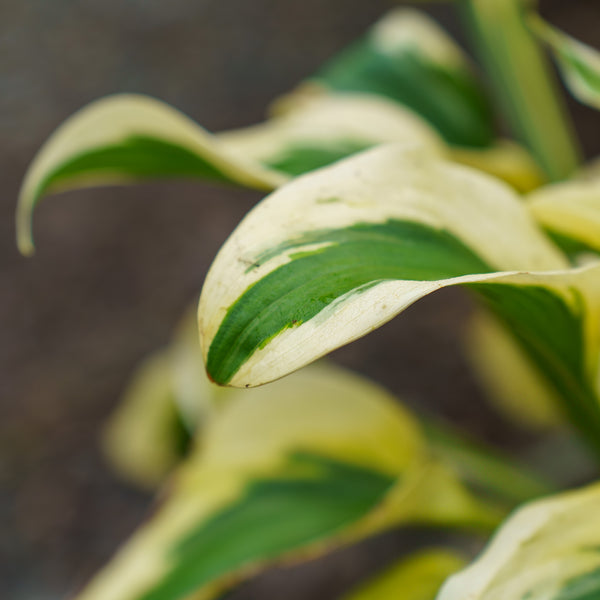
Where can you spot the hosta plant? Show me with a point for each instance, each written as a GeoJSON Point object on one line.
{"type": "Point", "coordinates": [386, 182]}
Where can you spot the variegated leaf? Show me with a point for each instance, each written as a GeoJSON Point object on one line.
{"type": "Point", "coordinates": [548, 550]}
{"type": "Point", "coordinates": [287, 472]}
{"type": "Point", "coordinates": [418, 577]}
{"type": "Point", "coordinates": [579, 63]}
{"type": "Point", "coordinates": [321, 129]}
{"type": "Point", "coordinates": [125, 138]}
{"type": "Point", "coordinates": [337, 253]}
{"type": "Point", "coordinates": [408, 58]}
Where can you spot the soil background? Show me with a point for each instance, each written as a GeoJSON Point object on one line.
{"type": "Point", "coordinates": [116, 267]}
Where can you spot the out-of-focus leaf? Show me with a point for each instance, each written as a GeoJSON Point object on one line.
{"type": "Point", "coordinates": [408, 58]}
{"type": "Point", "coordinates": [145, 437]}
{"type": "Point", "coordinates": [570, 212]}
{"type": "Point", "coordinates": [338, 252]}
{"type": "Point", "coordinates": [579, 63]}
{"type": "Point", "coordinates": [418, 577]}
{"type": "Point", "coordinates": [197, 398]}
{"type": "Point", "coordinates": [286, 472]}
{"type": "Point", "coordinates": [509, 376]}
{"type": "Point", "coordinates": [321, 129]}
{"type": "Point", "coordinates": [168, 401]}
{"type": "Point", "coordinates": [126, 138]}
{"type": "Point", "coordinates": [507, 161]}
{"type": "Point", "coordinates": [548, 550]}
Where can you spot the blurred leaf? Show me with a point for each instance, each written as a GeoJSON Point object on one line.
{"type": "Point", "coordinates": [321, 129]}
{"type": "Point", "coordinates": [570, 212]}
{"type": "Point", "coordinates": [525, 396]}
{"type": "Point", "coordinates": [196, 396]}
{"type": "Point", "coordinates": [127, 138]}
{"type": "Point", "coordinates": [408, 58]}
{"type": "Point", "coordinates": [507, 161]}
{"type": "Point", "coordinates": [418, 577]}
{"type": "Point", "coordinates": [579, 63]}
{"type": "Point", "coordinates": [548, 550]}
{"type": "Point", "coordinates": [287, 472]}
{"type": "Point", "coordinates": [145, 437]}
{"type": "Point", "coordinates": [522, 83]}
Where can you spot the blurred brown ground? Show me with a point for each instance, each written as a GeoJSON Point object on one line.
{"type": "Point", "coordinates": [115, 268]}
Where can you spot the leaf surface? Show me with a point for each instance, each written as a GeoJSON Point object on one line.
{"type": "Point", "coordinates": [337, 253]}
{"type": "Point", "coordinates": [547, 550]}
{"type": "Point", "coordinates": [284, 473]}
{"type": "Point", "coordinates": [127, 138]}
{"type": "Point", "coordinates": [408, 58]}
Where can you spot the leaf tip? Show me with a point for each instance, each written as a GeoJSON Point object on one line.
{"type": "Point", "coordinates": [24, 236]}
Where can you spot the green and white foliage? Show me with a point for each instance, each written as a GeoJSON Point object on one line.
{"type": "Point", "coordinates": [124, 139]}
{"type": "Point", "coordinates": [284, 473]}
{"type": "Point", "coordinates": [320, 129]}
{"type": "Point", "coordinates": [579, 63]}
{"type": "Point", "coordinates": [548, 550]}
{"type": "Point", "coordinates": [408, 58]}
{"type": "Point", "coordinates": [338, 252]}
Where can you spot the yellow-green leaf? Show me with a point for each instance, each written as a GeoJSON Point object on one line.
{"type": "Point", "coordinates": [125, 138]}
{"type": "Point", "coordinates": [418, 577]}
{"type": "Point", "coordinates": [338, 252]}
{"type": "Point", "coordinates": [286, 472]}
{"type": "Point", "coordinates": [570, 212]}
{"type": "Point", "coordinates": [525, 395]}
{"type": "Point", "coordinates": [408, 58]}
{"type": "Point", "coordinates": [579, 63]}
{"type": "Point", "coordinates": [145, 437]}
{"type": "Point", "coordinates": [506, 160]}
{"type": "Point", "coordinates": [548, 550]}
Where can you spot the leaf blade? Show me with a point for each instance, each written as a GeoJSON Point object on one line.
{"type": "Point", "coordinates": [123, 138]}
{"type": "Point", "coordinates": [548, 549]}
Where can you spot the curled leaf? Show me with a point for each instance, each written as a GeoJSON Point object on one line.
{"type": "Point", "coordinates": [337, 253]}
{"type": "Point", "coordinates": [125, 138]}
